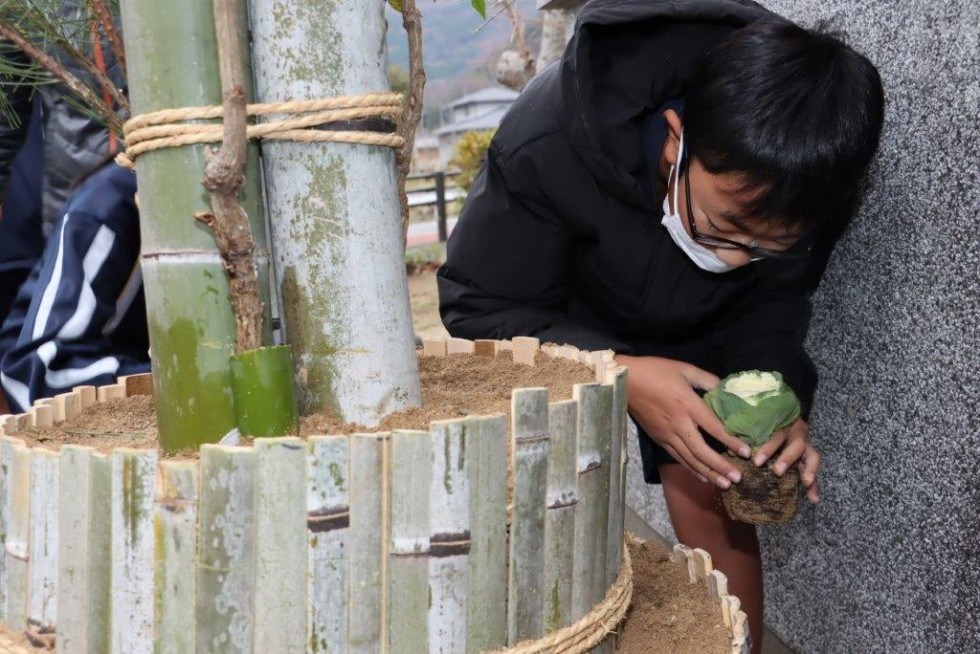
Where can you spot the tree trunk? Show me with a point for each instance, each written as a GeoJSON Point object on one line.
{"type": "Point", "coordinates": [334, 215]}
{"type": "Point", "coordinates": [554, 36]}
{"type": "Point", "coordinates": [173, 62]}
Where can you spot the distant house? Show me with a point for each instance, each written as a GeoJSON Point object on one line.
{"type": "Point", "coordinates": [475, 112]}
{"type": "Point", "coordinates": [425, 159]}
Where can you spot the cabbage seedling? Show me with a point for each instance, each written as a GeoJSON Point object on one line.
{"type": "Point", "coordinates": [754, 404]}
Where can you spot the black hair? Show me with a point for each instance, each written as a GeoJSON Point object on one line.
{"type": "Point", "coordinates": [796, 113]}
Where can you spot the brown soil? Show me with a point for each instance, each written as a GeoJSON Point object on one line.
{"type": "Point", "coordinates": [452, 387]}
{"type": "Point", "coordinates": [125, 422]}
{"type": "Point", "coordinates": [460, 385]}
{"type": "Point", "coordinates": [762, 498]}
{"type": "Point", "coordinates": [669, 615]}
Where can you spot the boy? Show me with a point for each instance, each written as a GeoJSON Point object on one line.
{"type": "Point", "coordinates": [671, 190]}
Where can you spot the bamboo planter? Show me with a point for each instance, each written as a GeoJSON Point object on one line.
{"type": "Point", "coordinates": [471, 536]}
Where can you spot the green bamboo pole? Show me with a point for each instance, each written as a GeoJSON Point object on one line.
{"type": "Point", "coordinates": [173, 62]}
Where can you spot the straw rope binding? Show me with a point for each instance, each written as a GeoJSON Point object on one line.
{"type": "Point", "coordinates": [171, 128]}
{"type": "Point", "coordinates": [592, 628]}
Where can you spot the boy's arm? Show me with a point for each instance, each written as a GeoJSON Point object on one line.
{"type": "Point", "coordinates": [506, 265]}
{"type": "Point", "coordinates": [61, 324]}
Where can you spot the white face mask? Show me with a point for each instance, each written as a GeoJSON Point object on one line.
{"type": "Point", "coordinates": [702, 257]}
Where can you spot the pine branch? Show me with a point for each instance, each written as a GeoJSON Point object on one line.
{"type": "Point", "coordinates": [104, 15]}
{"type": "Point", "coordinates": [412, 112]}
{"type": "Point", "coordinates": [53, 66]}
{"type": "Point", "coordinates": [223, 176]}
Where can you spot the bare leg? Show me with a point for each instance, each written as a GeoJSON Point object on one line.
{"type": "Point", "coordinates": [700, 520]}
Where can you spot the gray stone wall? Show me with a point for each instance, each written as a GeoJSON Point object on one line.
{"type": "Point", "coordinates": [889, 560]}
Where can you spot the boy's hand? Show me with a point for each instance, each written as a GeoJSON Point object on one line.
{"type": "Point", "coordinates": [796, 446]}
{"type": "Point", "coordinates": [662, 400]}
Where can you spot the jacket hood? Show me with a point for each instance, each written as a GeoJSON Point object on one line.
{"type": "Point", "coordinates": [626, 58]}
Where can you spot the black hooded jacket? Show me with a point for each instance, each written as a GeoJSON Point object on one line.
{"type": "Point", "coordinates": [560, 239]}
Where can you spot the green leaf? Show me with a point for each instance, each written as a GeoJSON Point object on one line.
{"type": "Point", "coordinates": [396, 5]}
{"type": "Point", "coordinates": [724, 403]}
{"type": "Point", "coordinates": [756, 424]}
{"type": "Point", "coordinates": [480, 6]}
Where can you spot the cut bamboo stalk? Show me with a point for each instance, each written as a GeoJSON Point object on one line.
{"type": "Point", "coordinates": [617, 473]}
{"type": "Point", "coordinates": [226, 561]}
{"type": "Point", "coordinates": [87, 396]}
{"type": "Point", "coordinates": [175, 520]}
{"type": "Point", "coordinates": [99, 602]}
{"type": "Point", "coordinates": [137, 384]}
{"type": "Point", "coordinates": [280, 545]}
{"type": "Point", "coordinates": [486, 612]}
{"type": "Point", "coordinates": [559, 529]}
{"type": "Point", "coordinates": [369, 461]}
{"type": "Point", "coordinates": [525, 349]}
{"type": "Point", "coordinates": [505, 346]}
{"type": "Point", "coordinates": [42, 416]}
{"type": "Point", "coordinates": [702, 564]}
{"type": "Point", "coordinates": [434, 348]}
{"type": "Point", "coordinates": [485, 348]}
{"type": "Point", "coordinates": [717, 584]}
{"type": "Point", "coordinates": [9, 424]}
{"type": "Point", "coordinates": [72, 403]}
{"type": "Point", "coordinates": [733, 607]}
{"type": "Point", "coordinates": [328, 534]}
{"type": "Point", "coordinates": [133, 481]}
{"type": "Point", "coordinates": [42, 577]}
{"type": "Point", "coordinates": [60, 410]}
{"type": "Point", "coordinates": [550, 349]}
{"type": "Point", "coordinates": [569, 352]}
{"type": "Point", "coordinates": [74, 526]}
{"type": "Point", "coordinates": [592, 516]}
{"type": "Point", "coordinates": [460, 346]}
{"type": "Point", "coordinates": [17, 463]}
{"type": "Point", "coordinates": [526, 594]}
{"type": "Point", "coordinates": [449, 536]}
{"type": "Point", "coordinates": [111, 392]}
{"type": "Point", "coordinates": [682, 555]}
{"type": "Point", "coordinates": [24, 420]}
{"type": "Point", "coordinates": [408, 550]}
{"type": "Point", "coordinates": [726, 612]}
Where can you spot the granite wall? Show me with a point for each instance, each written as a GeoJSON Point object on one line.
{"type": "Point", "coordinates": [889, 560]}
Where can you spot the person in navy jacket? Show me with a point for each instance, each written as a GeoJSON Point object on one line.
{"type": "Point", "coordinates": [80, 318]}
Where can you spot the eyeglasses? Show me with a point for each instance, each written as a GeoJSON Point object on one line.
{"type": "Point", "coordinates": [799, 249]}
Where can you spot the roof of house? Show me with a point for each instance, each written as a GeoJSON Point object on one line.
{"type": "Point", "coordinates": [489, 94]}
{"type": "Point", "coordinates": [489, 120]}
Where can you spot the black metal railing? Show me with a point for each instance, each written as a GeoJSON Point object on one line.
{"type": "Point", "coordinates": [439, 194]}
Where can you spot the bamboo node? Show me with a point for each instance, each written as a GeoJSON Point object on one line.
{"type": "Point", "coordinates": [300, 121]}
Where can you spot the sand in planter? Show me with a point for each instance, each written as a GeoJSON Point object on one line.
{"type": "Point", "coordinates": [459, 385]}
{"type": "Point", "coordinates": [669, 615]}
{"type": "Point", "coordinates": [454, 386]}
{"type": "Point", "coordinates": [125, 422]}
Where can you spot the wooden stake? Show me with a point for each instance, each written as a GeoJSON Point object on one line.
{"type": "Point", "coordinates": [226, 561]}
{"type": "Point", "coordinates": [592, 516]}
{"type": "Point", "coordinates": [617, 472]}
{"type": "Point", "coordinates": [42, 597]}
{"type": "Point", "coordinates": [449, 536]}
{"type": "Point", "coordinates": [328, 535]}
{"type": "Point", "coordinates": [485, 348]}
{"type": "Point", "coordinates": [460, 346]}
{"type": "Point", "coordinates": [434, 348]}
{"type": "Point", "coordinates": [559, 531]}
{"type": "Point", "coordinates": [487, 446]}
{"type": "Point", "coordinates": [370, 457]}
{"type": "Point", "coordinates": [717, 584]}
{"type": "Point", "coordinates": [408, 553]}
{"type": "Point", "coordinates": [280, 545]}
{"type": "Point", "coordinates": [702, 563]}
{"type": "Point", "coordinates": [137, 384]}
{"type": "Point", "coordinates": [525, 605]}
{"type": "Point", "coordinates": [525, 349]}
{"type": "Point", "coordinates": [175, 511]}
{"type": "Point", "coordinates": [72, 404]}
{"type": "Point", "coordinates": [16, 460]}
{"type": "Point", "coordinates": [87, 396]}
